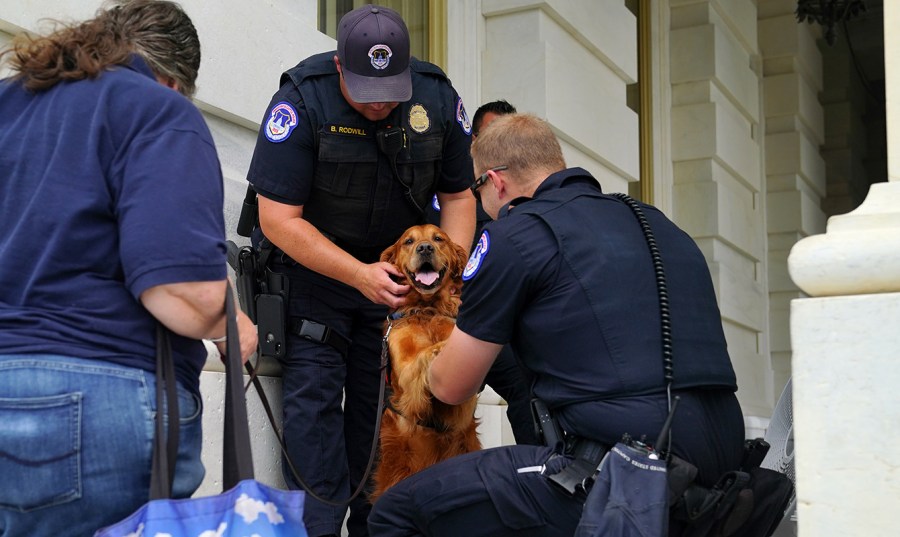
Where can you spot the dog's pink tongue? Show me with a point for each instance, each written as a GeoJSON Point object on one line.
{"type": "Point", "coordinates": [426, 278]}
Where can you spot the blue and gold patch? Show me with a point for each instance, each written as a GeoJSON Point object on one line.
{"type": "Point", "coordinates": [462, 117]}
{"type": "Point", "coordinates": [282, 120]}
{"type": "Point", "coordinates": [380, 56]}
{"type": "Point", "coordinates": [478, 254]}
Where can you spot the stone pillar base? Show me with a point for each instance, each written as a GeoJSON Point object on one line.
{"type": "Point", "coordinates": [847, 413]}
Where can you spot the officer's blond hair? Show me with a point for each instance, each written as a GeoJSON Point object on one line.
{"type": "Point", "coordinates": [523, 142]}
{"type": "Point", "coordinates": [158, 31]}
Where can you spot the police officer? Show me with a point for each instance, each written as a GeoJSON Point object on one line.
{"type": "Point", "coordinates": [565, 275]}
{"type": "Point", "coordinates": [505, 377]}
{"type": "Point", "coordinates": [351, 150]}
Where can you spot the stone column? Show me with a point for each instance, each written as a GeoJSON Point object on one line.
{"type": "Point", "coordinates": [845, 339]}
{"type": "Point", "coordinates": [718, 194]}
{"type": "Point", "coordinates": [794, 168]}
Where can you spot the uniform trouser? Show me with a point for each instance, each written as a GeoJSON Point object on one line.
{"type": "Point", "coordinates": [76, 438]}
{"type": "Point", "coordinates": [496, 492]}
{"type": "Point", "coordinates": [512, 383]}
{"type": "Point", "coordinates": [492, 493]}
{"type": "Point", "coordinates": [329, 443]}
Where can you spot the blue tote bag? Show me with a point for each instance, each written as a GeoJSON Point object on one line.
{"type": "Point", "coordinates": [246, 507]}
{"type": "Point", "coordinates": [250, 508]}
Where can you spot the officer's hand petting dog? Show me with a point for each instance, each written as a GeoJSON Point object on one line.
{"type": "Point", "coordinates": [378, 283]}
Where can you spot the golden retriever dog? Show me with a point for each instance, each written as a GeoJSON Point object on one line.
{"type": "Point", "coordinates": [417, 430]}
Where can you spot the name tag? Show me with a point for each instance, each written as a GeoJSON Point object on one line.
{"type": "Point", "coordinates": [344, 130]}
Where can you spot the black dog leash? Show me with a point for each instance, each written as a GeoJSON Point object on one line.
{"type": "Point", "coordinates": [254, 379]}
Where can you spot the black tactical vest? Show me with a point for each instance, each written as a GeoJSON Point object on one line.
{"type": "Point", "coordinates": [359, 198]}
{"type": "Point", "coordinates": [614, 284]}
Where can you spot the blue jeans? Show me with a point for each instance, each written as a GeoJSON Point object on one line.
{"type": "Point", "coordinates": [75, 444]}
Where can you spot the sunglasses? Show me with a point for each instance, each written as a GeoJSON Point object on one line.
{"type": "Point", "coordinates": [483, 178]}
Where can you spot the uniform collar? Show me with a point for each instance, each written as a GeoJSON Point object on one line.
{"type": "Point", "coordinates": [553, 181]}
{"type": "Point", "coordinates": [565, 177]}
{"type": "Point", "coordinates": [139, 65]}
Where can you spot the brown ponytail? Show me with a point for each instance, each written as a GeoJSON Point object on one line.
{"type": "Point", "coordinates": [159, 31]}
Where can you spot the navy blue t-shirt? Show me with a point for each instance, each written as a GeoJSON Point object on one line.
{"type": "Point", "coordinates": [107, 187]}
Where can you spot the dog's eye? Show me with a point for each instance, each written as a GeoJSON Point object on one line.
{"type": "Point", "coordinates": [408, 241]}
{"type": "Point", "coordinates": [438, 238]}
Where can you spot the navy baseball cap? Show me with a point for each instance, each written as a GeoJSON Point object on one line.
{"type": "Point", "coordinates": [373, 47]}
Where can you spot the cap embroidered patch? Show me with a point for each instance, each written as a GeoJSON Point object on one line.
{"type": "Point", "coordinates": [462, 117]}
{"type": "Point", "coordinates": [418, 119]}
{"type": "Point", "coordinates": [282, 120]}
{"type": "Point", "coordinates": [380, 56]}
{"type": "Point", "coordinates": [478, 254]}
{"type": "Point", "coordinates": [435, 204]}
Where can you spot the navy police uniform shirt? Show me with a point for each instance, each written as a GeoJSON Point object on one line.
{"type": "Point", "coordinates": [586, 319]}
{"type": "Point", "coordinates": [110, 186]}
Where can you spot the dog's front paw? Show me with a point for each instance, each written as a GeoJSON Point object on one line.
{"type": "Point", "coordinates": [416, 398]}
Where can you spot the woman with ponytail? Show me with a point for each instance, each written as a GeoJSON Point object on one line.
{"type": "Point", "coordinates": [111, 222]}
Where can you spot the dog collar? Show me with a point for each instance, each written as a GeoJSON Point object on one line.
{"type": "Point", "coordinates": [400, 314]}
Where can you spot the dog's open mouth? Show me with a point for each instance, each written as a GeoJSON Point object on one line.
{"type": "Point", "coordinates": [426, 277]}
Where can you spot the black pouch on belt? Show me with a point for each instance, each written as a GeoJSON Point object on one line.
{"type": "Point", "coordinates": [575, 478]}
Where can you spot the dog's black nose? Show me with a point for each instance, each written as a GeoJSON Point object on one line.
{"type": "Point", "coordinates": [425, 248]}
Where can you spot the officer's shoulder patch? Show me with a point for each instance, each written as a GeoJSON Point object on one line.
{"type": "Point", "coordinates": [462, 117]}
{"type": "Point", "coordinates": [281, 122]}
{"type": "Point", "coordinates": [435, 204]}
{"type": "Point", "coordinates": [478, 254]}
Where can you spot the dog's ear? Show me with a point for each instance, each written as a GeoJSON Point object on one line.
{"type": "Point", "coordinates": [458, 263]}
{"type": "Point", "coordinates": [389, 254]}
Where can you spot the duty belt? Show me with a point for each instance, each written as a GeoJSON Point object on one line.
{"type": "Point", "coordinates": [578, 476]}
{"type": "Point", "coordinates": [319, 333]}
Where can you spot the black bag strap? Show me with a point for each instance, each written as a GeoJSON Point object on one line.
{"type": "Point", "coordinates": [237, 461]}
{"type": "Point", "coordinates": [165, 444]}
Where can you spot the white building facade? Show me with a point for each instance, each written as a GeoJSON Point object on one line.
{"type": "Point", "coordinates": [739, 123]}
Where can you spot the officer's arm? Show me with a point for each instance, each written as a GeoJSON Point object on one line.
{"type": "Point", "coordinates": [458, 371]}
{"type": "Point", "coordinates": [458, 216]}
{"type": "Point", "coordinates": [285, 226]}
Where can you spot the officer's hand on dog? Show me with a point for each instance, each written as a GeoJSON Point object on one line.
{"type": "Point", "coordinates": [376, 282]}
{"type": "Point", "coordinates": [248, 336]}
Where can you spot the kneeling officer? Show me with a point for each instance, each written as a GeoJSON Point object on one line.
{"type": "Point", "coordinates": [580, 307]}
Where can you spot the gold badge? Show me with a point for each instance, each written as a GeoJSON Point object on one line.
{"type": "Point", "coordinates": [418, 118]}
